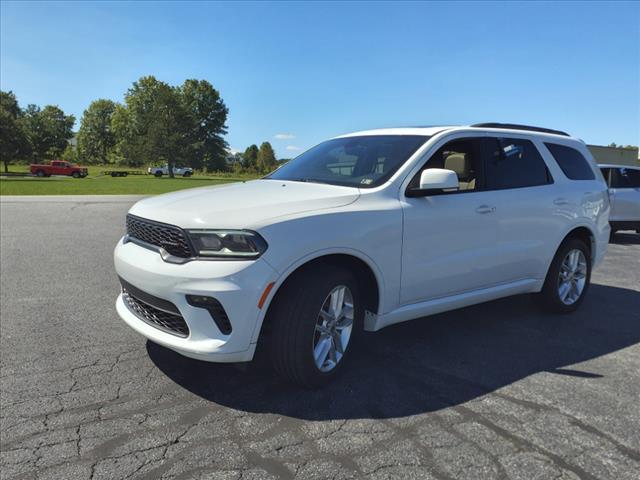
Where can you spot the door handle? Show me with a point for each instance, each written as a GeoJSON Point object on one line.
{"type": "Point", "coordinates": [485, 209]}
{"type": "Point", "coordinates": [561, 201]}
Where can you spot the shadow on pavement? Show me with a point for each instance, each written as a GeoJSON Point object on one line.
{"type": "Point", "coordinates": [431, 363]}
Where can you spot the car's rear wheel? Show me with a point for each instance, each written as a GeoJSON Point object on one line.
{"type": "Point", "coordinates": [316, 319]}
{"type": "Point", "coordinates": [158, 174]}
{"type": "Point", "coordinates": [40, 173]}
{"type": "Point", "coordinates": [186, 174]}
{"type": "Point", "coordinates": [568, 277]}
{"type": "Point", "coordinates": [75, 174]}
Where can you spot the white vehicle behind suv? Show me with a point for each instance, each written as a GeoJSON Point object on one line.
{"type": "Point", "coordinates": [164, 170]}
{"type": "Point", "coordinates": [624, 193]}
{"type": "Point", "coordinates": [360, 232]}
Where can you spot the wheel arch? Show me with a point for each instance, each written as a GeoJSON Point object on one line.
{"type": "Point", "coordinates": [585, 234]}
{"type": "Point", "coordinates": [367, 274]}
{"type": "Point", "coordinates": [582, 232]}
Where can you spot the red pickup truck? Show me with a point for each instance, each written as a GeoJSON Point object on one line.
{"type": "Point", "coordinates": [59, 167]}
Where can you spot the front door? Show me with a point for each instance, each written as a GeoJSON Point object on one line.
{"type": "Point", "coordinates": [450, 241]}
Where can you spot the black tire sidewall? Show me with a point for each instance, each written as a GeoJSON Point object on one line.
{"type": "Point", "coordinates": [550, 295]}
{"type": "Point", "coordinates": [297, 315]}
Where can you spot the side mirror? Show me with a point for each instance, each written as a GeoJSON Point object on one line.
{"type": "Point", "coordinates": [434, 181]}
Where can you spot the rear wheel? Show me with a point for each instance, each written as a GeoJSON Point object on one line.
{"type": "Point", "coordinates": [186, 174]}
{"type": "Point", "coordinates": [75, 174]}
{"type": "Point", "coordinates": [316, 319]}
{"type": "Point", "coordinates": [158, 173]}
{"type": "Point", "coordinates": [568, 277]}
{"type": "Point", "coordinates": [40, 173]}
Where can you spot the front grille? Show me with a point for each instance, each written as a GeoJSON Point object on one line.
{"type": "Point", "coordinates": [170, 322]}
{"type": "Point", "coordinates": [173, 239]}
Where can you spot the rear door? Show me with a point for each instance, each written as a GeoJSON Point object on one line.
{"type": "Point", "coordinates": [57, 168]}
{"type": "Point", "coordinates": [625, 194]}
{"type": "Point", "coordinates": [521, 186]}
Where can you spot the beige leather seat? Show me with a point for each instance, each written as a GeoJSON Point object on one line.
{"type": "Point", "coordinates": [461, 164]}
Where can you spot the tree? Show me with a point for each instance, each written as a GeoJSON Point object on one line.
{"type": "Point", "coordinates": [70, 154]}
{"type": "Point", "coordinates": [49, 131]}
{"type": "Point", "coordinates": [208, 117]}
{"type": "Point", "coordinates": [14, 142]}
{"type": "Point", "coordinates": [250, 158]}
{"type": "Point", "coordinates": [96, 138]}
{"type": "Point", "coordinates": [266, 160]}
{"type": "Point", "coordinates": [153, 125]}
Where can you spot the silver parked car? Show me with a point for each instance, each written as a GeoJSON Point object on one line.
{"type": "Point", "coordinates": [624, 193]}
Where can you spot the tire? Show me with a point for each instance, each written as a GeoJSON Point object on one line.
{"type": "Point", "coordinates": [158, 174]}
{"type": "Point", "coordinates": [75, 174]}
{"type": "Point", "coordinates": [186, 174]}
{"type": "Point", "coordinates": [40, 173]}
{"type": "Point", "coordinates": [295, 318]}
{"type": "Point", "coordinates": [551, 297]}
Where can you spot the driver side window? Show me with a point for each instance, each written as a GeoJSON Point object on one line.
{"type": "Point", "coordinates": [463, 156]}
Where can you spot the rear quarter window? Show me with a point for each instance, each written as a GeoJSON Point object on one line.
{"type": "Point", "coordinates": [571, 161]}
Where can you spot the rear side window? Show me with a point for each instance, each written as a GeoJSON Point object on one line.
{"type": "Point", "coordinates": [625, 178]}
{"type": "Point", "coordinates": [571, 161]}
{"type": "Point", "coordinates": [514, 163]}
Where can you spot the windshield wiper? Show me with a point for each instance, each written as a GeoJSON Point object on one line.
{"type": "Point", "coordinates": [311, 180]}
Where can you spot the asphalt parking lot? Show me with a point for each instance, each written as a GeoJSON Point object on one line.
{"type": "Point", "coordinates": [498, 390]}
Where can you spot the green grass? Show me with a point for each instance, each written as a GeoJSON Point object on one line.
{"type": "Point", "coordinates": [97, 184]}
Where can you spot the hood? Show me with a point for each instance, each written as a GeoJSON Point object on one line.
{"type": "Point", "coordinates": [247, 205]}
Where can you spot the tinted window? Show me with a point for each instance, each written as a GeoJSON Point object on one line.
{"type": "Point", "coordinates": [625, 178]}
{"type": "Point", "coordinates": [365, 162]}
{"type": "Point", "coordinates": [571, 161]}
{"type": "Point", "coordinates": [463, 156]}
{"type": "Point", "coordinates": [514, 163]}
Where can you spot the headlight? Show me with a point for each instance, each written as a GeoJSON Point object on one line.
{"type": "Point", "coordinates": [227, 243]}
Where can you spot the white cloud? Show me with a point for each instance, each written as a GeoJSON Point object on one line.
{"type": "Point", "coordinates": [293, 148]}
{"type": "Point", "coordinates": [284, 136]}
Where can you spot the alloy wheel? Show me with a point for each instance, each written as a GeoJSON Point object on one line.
{"type": "Point", "coordinates": [333, 328]}
{"type": "Point", "coordinates": [573, 277]}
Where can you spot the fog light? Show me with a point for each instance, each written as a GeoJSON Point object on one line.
{"type": "Point", "coordinates": [215, 309]}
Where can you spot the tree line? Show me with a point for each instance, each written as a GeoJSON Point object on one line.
{"type": "Point", "coordinates": [155, 124]}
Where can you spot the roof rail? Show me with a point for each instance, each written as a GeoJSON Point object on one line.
{"type": "Point", "coordinates": [514, 126]}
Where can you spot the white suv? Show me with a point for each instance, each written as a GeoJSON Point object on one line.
{"type": "Point", "coordinates": [360, 232]}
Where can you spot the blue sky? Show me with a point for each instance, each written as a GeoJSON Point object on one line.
{"type": "Point", "coordinates": [310, 71]}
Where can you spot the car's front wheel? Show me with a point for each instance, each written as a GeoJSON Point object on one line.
{"type": "Point", "coordinates": [568, 277]}
{"type": "Point", "coordinates": [316, 319]}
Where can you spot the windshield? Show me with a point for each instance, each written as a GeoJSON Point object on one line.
{"type": "Point", "coordinates": [363, 161]}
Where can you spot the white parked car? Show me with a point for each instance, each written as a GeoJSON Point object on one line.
{"type": "Point", "coordinates": [164, 170]}
{"type": "Point", "coordinates": [360, 232]}
{"type": "Point", "coordinates": [624, 193]}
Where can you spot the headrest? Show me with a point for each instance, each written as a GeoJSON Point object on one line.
{"type": "Point", "coordinates": [459, 163]}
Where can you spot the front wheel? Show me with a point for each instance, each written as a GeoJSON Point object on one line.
{"type": "Point", "coordinates": [158, 174]}
{"type": "Point", "coordinates": [316, 319]}
{"type": "Point", "coordinates": [186, 174]}
{"type": "Point", "coordinates": [568, 277]}
{"type": "Point", "coordinates": [40, 173]}
{"type": "Point", "coordinates": [75, 174]}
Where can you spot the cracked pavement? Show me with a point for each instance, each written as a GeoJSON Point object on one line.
{"type": "Point", "coordinates": [498, 390]}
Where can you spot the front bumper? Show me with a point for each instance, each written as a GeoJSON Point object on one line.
{"type": "Point", "coordinates": [237, 285]}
